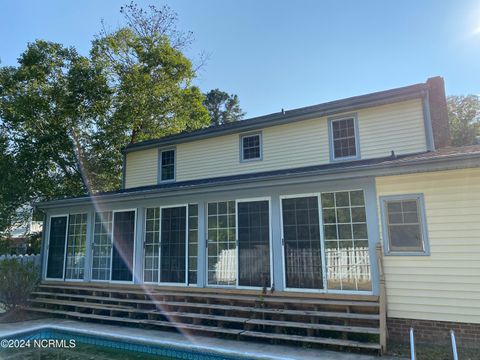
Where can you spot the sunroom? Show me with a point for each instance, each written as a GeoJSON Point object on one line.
{"type": "Point", "coordinates": [306, 235]}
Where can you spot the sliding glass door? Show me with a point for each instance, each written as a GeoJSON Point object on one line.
{"type": "Point", "coordinates": [253, 243]}
{"type": "Point", "coordinates": [123, 244]}
{"type": "Point", "coordinates": [301, 243]}
{"type": "Point", "coordinates": [238, 244]}
{"type": "Point", "coordinates": [56, 247]}
{"type": "Point", "coordinates": [173, 245]}
{"type": "Point", "coordinates": [336, 258]}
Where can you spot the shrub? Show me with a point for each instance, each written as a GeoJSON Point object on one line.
{"type": "Point", "coordinates": [17, 281]}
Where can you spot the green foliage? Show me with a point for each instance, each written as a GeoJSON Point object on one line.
{"type": "Point", "coordinates": [17, 281]}
{"type": "Point", "coordinates": [464, 119]}
{"type": "Point", "coordinates": [222, 107]}
{"type": "Point", "coordinates": [64, 118]}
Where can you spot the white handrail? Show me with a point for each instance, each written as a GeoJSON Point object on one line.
{"type": "Point", "coordinates": [412, 345]}
{"type": "Point", "coordinates": [454, 345]}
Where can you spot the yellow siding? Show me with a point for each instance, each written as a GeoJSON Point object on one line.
{"type": "Point", "coordinates": [444, 286]}
{"type": "Point", "coordinates": [141, 168]}
{"type": "Point", "coordinates": [397, 127]}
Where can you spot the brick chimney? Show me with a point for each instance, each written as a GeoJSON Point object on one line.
{"type": "Point", "coordinates": [438, 112]}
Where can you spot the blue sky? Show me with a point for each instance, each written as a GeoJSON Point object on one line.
{"type": "Point", "coordinates": [286, 54]}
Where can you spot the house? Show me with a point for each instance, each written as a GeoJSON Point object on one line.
{"type": "Point", "coordinates": [293, 203]}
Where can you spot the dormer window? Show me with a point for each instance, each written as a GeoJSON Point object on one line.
{"type": "Point", "coordinates": [344, 138]}
{"type": "Point", "coordinates": [167, 165]}
{"type": "Point", "coordinates": [251, 147]}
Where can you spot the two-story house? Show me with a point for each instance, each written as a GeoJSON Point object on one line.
{"type": "Point", "coordinates": [292, 203]}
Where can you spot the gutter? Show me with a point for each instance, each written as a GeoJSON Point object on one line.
{"type": "Point", "coordinates": [306, 113]}
{"type": "Point", "coordinates": [394, 167]}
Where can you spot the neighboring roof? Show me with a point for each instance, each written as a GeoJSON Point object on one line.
{"type": "Point", "coordinates": [461, 157]}
{"type": "Point", "coordinates": [304, 113]}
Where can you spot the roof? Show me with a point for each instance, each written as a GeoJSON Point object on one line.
{"type": "Point", "coordinates": [283, 117]}
{"type": "Point", "coordinates": [460, 157]}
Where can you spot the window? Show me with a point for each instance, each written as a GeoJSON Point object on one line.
{"type": "Point", "coordinates": [404, 227]}
{"type": "Point", "coordinates": [251, 147]}
{"type": "Point", "coordinates": [102, 246]}
{"type": "Point", "coordinates": [343, 139]}
{"type": "Point", "coordinates": [221, 243]}
{"type": "Point", "coordinates": [192, 243]}
{"type": "Point", "coordinates": [76, 246]}
{"type": "Point", "coordinates": [346, 240]}
{"type": "Point", "coordinates": [151, 245]}
{"type": "Point", "coordinates": [167, 165]}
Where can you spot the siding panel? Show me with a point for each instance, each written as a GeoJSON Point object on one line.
{"type": "Point", "coordinates": [141, 168]}
{"type": "Point", "coordinates": [444, 286]}
{"type": "Point", "coordinates": [397, 127]}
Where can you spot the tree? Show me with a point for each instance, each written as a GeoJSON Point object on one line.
{"type": "Point", "coordinates": [65, 117]}
{"type": "Point", "coordinates": [464, 119]}
{"type": "Point", "coordinates": [222, 107]}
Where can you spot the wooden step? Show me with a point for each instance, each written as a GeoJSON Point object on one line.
{"type": "Point", "coordinates": [211, 329]}
{"type": "Point", "coordinates": [236, 319]}
{"type": "Point", "coordinates": [329, 314]}
{"type": "Point", "coordinates": [202, 328]}
{"type": "Point", "coordinates": [256, 299]}
{"type": "Point", "coordinates": [328, 327]}
{"type": "Point", "coordinates": [311, 339]}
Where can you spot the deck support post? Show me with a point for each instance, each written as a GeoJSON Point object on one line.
{"type": "Point", "coordinates": [382, 300]}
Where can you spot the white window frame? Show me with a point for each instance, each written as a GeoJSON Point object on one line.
{"type": "Point", "coordinates": [260, 141]}
{"type": "Point", "coordinates": [331, 141]}
{"type": "Point", "coordinates": [419, 198]}
{"type": "Point", "coordinates": [159, 175]}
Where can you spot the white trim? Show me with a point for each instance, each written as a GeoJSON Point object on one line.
{"type": "Point", "coordinates": [113, 244]}
{"type": "Point", "coordinates": [185, 283]}
{"type": "Point", "coordinates": [48, 247]}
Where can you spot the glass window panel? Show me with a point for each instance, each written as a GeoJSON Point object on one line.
{"type": "Point", "coordinates": [346, 251]}
{"type": "Point", "coordinates": [404, 226]}
{"type": "Point", "coordinates": [251, 147]}
{"type": "Point", "coordinates": [76, 246]}
{"type": "Point", "coordinates": [344, 141]}
{"type": "Point", "coordinates": [222, 244]}
{"type": "Point", "coordinates": [123, 236]}
{"type": "Point", "coordinates": [102, 245]}
{"type": "Point", "coordinates": [302, 251]}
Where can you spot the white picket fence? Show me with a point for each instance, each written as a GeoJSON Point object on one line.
{"type": "Point", "coordinates": [23, 258]}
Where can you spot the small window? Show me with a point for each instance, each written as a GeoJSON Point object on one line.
{"type": "Point", "coordinates": [404, 225]}
{"type": "Point", "coordinates": [167, 165]}
{"type": "Point", "coordinates": [251, 147]}
{"type": "Point", "coordinates": [343, 139]}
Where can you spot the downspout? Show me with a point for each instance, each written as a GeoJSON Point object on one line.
{"type": "Point", "coordinates": [427, 121]}
{"type": "Point", "coordinates": [43, 245]}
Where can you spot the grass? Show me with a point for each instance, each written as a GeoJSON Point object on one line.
{"type": "Point", "coordinates": [433, 352]}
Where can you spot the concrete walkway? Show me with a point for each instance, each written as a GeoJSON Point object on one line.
{"type": "Point", "coordinates": [252, 350]}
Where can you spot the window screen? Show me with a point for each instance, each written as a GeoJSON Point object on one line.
{"type": "Point", "coordinates": [251, 147]}
{"type": "Point", "coordinates": [343, 138]}
{"type": "Point", "coordinates": [167, 165]}
{"type": "Point", "coordinates": [56, 247]}
{"type": "Point", "coordinates": [404, 226]}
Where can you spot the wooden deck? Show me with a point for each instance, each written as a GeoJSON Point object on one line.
{"type": "Point", "coordinates": [351, 321]}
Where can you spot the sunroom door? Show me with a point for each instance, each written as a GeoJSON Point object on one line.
{"type": "Point", "coordinates": [56, 247]}
{"type": "Point", "coordinates": [173, 245]}
{"type": "Point", "coordinates": [123, 245]}
{"type": "Point", "coordinates": [302, 249]}
{"type": "Point", "coordinates": [253, 233]}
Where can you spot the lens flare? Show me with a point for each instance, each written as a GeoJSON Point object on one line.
{"type": "Point", "coordinates": [153, 292]}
